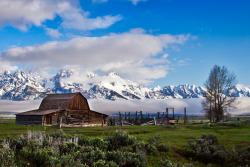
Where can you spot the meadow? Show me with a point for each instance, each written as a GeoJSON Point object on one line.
{"type": "Point", "coordinates": [231, 135]}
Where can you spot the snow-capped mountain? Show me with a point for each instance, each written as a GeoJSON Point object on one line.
{"type": "Point", "coordinates": [22, 86]}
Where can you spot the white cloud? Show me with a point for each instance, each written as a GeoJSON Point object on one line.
{"type": "Point", "coordinates": [99, 1]}
{"type": "Point", "coordinates": [135, 2]}
{"type": "Point", "coordinates": [132, 55]}
{"type": "Point", "coordinates": [22, 14]}
{"type": "Point", "coordinates": [19, 106]}
{"type": "Point", "coordinates": [6, 66]}
{"type": "Point", "coordinates": [79, 21]}
{"type": "Point", "coordinates": [193, 106]}
{"type": "Point", "coordinates": [242, 107]}
{"type": "Point", "coordinates": [137, 31]}
{"type": "Point", "coordinates": [148, 105]}
{"type": "Point", "coordinates": [53, 32]}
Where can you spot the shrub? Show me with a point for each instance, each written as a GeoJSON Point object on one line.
{"type": "Point", "coordinates": [68, 147]}
{"type": "Point", "coordinates": [93, 156]}
{"type": "Point", "coordinates": [231, 123]}
{"type": "Point", "coordinates": [69, 161]}
{"type": "Point", "coordinates": [119, 139]}
{"type": "Point", "coordinates": [7, 157]}
{"type": "Point", "coordinates": [243, 157]}
{"type": "Point", "coordinates": [165, 163]}
{"type": "Point", "coordinates": [163, 147]}
{"type": "Point", "coordinates": [59, 149]}
{"type": "Point", "coordinates": [100, 143]}
{"type": "Point", "coordinates": [116, 156]}
{"type": "Point", "coordinates": [102, 163]}
{"type": "Point", "coordinates": [82, 141]}
{"type": "Point", "coordinates": [207, 149]}
{"type": "Point", "coordinates": [154, 140]}
{"type": "Point", "coordinates": [112, 164]}
{"type": "Point", "coordinates": [18, 143]}
{"type": "Point", "coordinates": [127, 158]}
{"type": "Point", "coordinates": [188, 165]}
{"type": "Point", "coordinates": [39, 157]}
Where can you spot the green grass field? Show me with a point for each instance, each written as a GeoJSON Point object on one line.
{"type": "Point", "coordinates": [176, 136]}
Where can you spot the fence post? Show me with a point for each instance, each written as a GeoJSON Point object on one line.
{"type": "Point", "coordinates": [185, 115]}
{"type": "Point", "coordinates": [60, 123]}
{"type": "Point", "coordinates": [120, 117]}
{"type": "Point", "coordinates": [167, 115]}
{"type": "Point", "coordinates": [173, 113]}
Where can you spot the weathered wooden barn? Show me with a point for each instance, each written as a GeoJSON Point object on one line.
{"type": "Point", "coordinates": [66, 109]}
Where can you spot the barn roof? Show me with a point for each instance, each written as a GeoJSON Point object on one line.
{"type": "Point", "coordinates": [38, 112]}
{"type": "Point", "coordinates": [55, 101]}
{"type": "Point", "coordinates": [99, 112]}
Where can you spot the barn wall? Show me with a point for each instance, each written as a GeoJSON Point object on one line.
{"type": "Point", "coordinates": [89, 117]}
{"type": "Point", "coordinates": [34, 120]}
{"type": "Point", "coordinates": [78, 103]}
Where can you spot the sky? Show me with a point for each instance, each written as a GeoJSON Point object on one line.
{"type": "Point", "coordinates": [153, 42]}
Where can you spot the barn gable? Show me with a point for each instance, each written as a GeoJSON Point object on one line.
{"type": "Point", "coordinates": [64, 101]}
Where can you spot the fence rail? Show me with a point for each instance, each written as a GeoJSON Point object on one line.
{"type": "Point", "coordinates": [7, 117]}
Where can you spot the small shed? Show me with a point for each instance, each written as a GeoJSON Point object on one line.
{"type": "Point", "coordinates": [67, 109]}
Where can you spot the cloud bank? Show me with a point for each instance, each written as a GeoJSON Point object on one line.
{"type": "Point", "coordinates": [134, 55]}
{"type": "Point", "coordinates": [22, 14]}
{"type": "Point", "coordinates": [150, 105]}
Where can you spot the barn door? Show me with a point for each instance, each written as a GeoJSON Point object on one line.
{"type": "Point", "coordinates": [48, 120]}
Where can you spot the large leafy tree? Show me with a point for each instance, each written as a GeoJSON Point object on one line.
{"type": "Point", "coordinates": [218, 97]}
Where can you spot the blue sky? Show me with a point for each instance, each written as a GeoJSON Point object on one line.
{"type": "Point", "coordinates": [154, 42]}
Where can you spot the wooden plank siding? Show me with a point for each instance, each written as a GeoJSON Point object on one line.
{"type": "Point", "coordinates": [33, 120]}
{"type": "Point", "coordinates": [79, 103]}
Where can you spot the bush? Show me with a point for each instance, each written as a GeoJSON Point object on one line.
{"type": "Point", "coordinates": [231, 123]}
{"type": "Point", "coordinates": [208, 150]}
{"type": "Point", "coordinates": [243, 157]}
{"type": "Point", "coordinates": [59, 149]}
{"type": "Point", "coordinates": [154, 140]}
{"type": "Point", "coordinates": [18, 143]}
{"type": "Point", "coordinates": [163, 147]}
{"type": "Point", "coordinates": [127, 158]}
{"type": "Point", "coordinates": [7, 157]}
{"type": "Point", "coordinates": [82, 141]}
{"type": "Point", "coordinates": [68, 147]}
{"type": "Point", "coordinates": [100, 143]}
{"type": "Point", "coordinates": [40, 157]}
{"type": "Point", "coordinates": [119, 139]}
{"type": "Point", "coordinates": [165, 163]}
{"type": "Point", "coordinates": [93, 156]}
{"type": "Point", "coordinates": [69, 161]}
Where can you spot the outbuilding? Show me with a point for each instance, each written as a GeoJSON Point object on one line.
{"type": "Point", "coordinates": [69, 109]}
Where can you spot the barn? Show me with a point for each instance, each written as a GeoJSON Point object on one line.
{"type": "Point", "coordinates": [69, 109]}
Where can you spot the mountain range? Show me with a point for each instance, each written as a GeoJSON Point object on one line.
{"type": "Point", "coordinates": [21, 86]}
